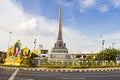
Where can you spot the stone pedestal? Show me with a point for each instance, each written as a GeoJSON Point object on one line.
{"type": "Point", "coordinates": [59, 55]}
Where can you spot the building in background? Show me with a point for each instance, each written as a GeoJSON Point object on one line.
{"type": "Point", "coordinates": [81, 56]}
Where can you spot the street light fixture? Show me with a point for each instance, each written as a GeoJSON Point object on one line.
{"type": "Point", "coordinates": [9, 39]}
{"type": "Point", "coordinates": [103, 42]}
{"type": "Point", "coordinates": [113, 45]}
{"type": "Point", "coordinates": [35, 43]}
{"type": "Point", "coordinates": [40, 46]}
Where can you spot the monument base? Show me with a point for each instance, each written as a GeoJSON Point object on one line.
{"type": "Point", "coordinates": [60, 55]}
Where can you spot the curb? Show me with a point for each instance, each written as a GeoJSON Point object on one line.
{"type": "Point", "coordinates": [63, 70]}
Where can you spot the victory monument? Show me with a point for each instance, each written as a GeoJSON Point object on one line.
{"type": "Point", "coordinates": [59, 50]}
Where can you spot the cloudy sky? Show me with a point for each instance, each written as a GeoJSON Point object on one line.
{"type": "Point", "coordinates": [85, 23]}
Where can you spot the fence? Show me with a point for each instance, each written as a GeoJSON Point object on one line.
{"type": "Point", "coordinates": [78, 64]}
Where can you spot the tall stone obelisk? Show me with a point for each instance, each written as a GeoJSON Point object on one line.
{"type": "Point", "coordinates": [59, 50]}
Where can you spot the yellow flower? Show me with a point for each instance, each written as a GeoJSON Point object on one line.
{"type": "Point", "coordinates": [10, 51]}
{"type": "Point", "coordinates": [25, 51]}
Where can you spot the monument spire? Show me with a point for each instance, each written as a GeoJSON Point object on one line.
{"type": "Point", "coordinates": [60, 25]}
{"type": "Point", "coordinates": [60, 46]}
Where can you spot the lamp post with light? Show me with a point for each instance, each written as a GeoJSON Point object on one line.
{"type": "Point", "coordinates": [103, 42]}
{"type": "Point", "coordinates": [113, 45]}
{"type": "Point", "coordinates": [35, 44]}
{"type": "Point", "coordinates": [9, 39]}
{"type": "Point", "coordinates": [40, 46]}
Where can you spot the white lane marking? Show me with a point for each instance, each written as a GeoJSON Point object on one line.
{"type": "Point", "coordinates": [73, 78]}
{"type": "Point", "coordinates": [30, 79]}
{"type": "Point", "coordinates": [23, 79]}
{"type": "Point", "coordinates": [13, 75]}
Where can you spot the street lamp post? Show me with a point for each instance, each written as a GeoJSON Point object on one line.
{"type": "Point", "coordinates": [35, 43]}
{"type": "Point", "coordinates": [40, 46]}
{"type": "Point", "coordinates": [113, 45]}
{"type": "Point", "coordinates": [9, 39]}
{"type": "Point", "coordinates": [103, 42]}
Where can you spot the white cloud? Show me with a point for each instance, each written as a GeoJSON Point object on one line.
{"type": "Point", "coordinates": [87, 3]}
{"type": "Point", "coordinates": [84, 5]}
{"type": "Point", "coordinates": [103, 8]}
{"type": "Point", "coordinates": [81, 10]}
{"type": "Point", "coordinates": [116, 3]}
{"type": "Point", "coordinates": [10, 15]}
{"type": "Point", "coordinates": [65, 3]}
{"type": "Point", "coordinates": [28, 25]}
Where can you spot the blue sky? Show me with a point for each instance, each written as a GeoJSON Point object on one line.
{"type": "Point", "coordinates": [96, 17]}
{"type": "Point", "coordinates": [83, 22]}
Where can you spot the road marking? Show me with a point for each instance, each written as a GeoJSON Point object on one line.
{"type": "Point", "coordinates": [30, 79]}
{"type": "Point", "coordinates": [13, 75]}
{"type": "Point", "coordinates": [23, 79]}
{"type": "Point", "coordinates": [73, 78]}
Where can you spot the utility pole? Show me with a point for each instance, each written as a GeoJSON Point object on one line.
{"type": "Point", "coordinates": [103, 42]}
{"type": "Point", "coordinates": [113, 45]}
{"type": "Point", "coordinates": [35, 44]}
{"type": "Point", "coordinates": [9, 39]}
{"type": "Point", "coordinates": [40, 46]}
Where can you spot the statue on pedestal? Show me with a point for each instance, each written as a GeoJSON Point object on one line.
{"type": "Point", "coordinates": [13, 54]}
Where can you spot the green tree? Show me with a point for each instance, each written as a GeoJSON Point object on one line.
{"type": "Point", "coordinates": [108, 54]}
{"type": "Point", "coordinates": [78, 56]}
{"type": "Point", "coordinates": [33, 55]}
{"type": "Point", "coordinates": [2, 61]}
{"type": "Point", "coordinates": [90, 58]}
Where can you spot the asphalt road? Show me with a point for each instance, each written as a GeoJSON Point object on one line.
{"type": "Point", "coordinates": [12, 74]}
{"type": "Point", "coordinates": [5, 73]}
